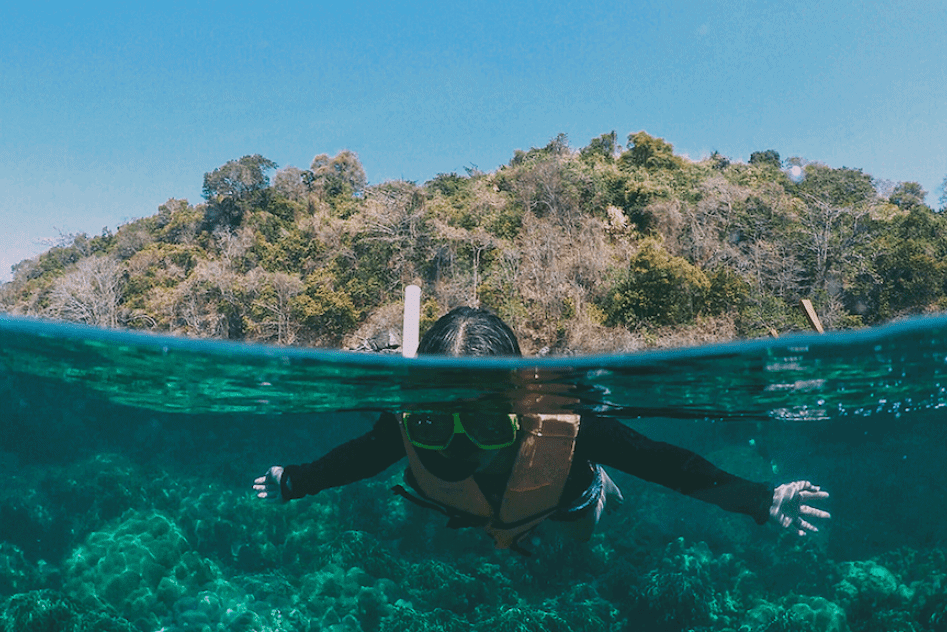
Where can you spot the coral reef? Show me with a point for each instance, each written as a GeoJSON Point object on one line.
{"type": "Point", "coordinates": [17, 574]}
{"type": "Point", "coordinates": [50, 611]}
{"type": "Point", "coordinates": [141, 566]}
{"type": "Point", "coordinates": [107, 544]}
{"type": "Point", "coordinates": [690, 587]}
{"type": "Point", "coordinates": [795, 614]}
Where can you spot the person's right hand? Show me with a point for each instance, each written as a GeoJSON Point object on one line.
{"type": "Point", "coordinates": [791, 508]}
{"type": "Point", "coordinates": [268, 485]}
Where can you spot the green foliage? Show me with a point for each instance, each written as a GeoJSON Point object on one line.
{"type": "Point", "coordinates": [317, 254]}
{"type": "Point", "coordinates": [908, 270]}
{"type": "Point", "coordinates": [913, 277]}
{"type": "Point", "coordinates": [649, 152]}
{"type": "Point", "coordinates": [656, 288]}
{"type": "Point", "coordinates": [841, 187]}
{"type": "Point", "coordinates": [601, 148]}
{"type": "Point", "coordinates": [341, 176]}
{"type": "Point", "coordinates": [237, 178]}
{"type": "Point", "coordinates": [325, 311]}
{"type": "Point", "coordinates": [907, 195]}
{"type": "Point", "coordinates": [728, 291]}
{"type": "Point", "coordinates": [448, 184]}
{"type": "Point", "coordinates": [719, 161]}
{"type": "Point", "coordinates": [557, 147]}
{"type": "Point", "coordinates": [769, 157]}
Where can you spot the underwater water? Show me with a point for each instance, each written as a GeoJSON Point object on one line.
{"type": "Point", "coordinates": [128, 461]}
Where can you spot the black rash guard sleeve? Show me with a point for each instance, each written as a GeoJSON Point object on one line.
{"type": "Point", "coordinates": [609, 442]}
{"type": "Point", "coordinates": [362, 457]}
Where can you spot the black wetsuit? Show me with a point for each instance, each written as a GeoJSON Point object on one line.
{"type": "Point", "coordinates": [600, 440]}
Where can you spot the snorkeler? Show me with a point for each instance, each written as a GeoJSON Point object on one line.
{"type": "Point", "coordinates": [507, 473]}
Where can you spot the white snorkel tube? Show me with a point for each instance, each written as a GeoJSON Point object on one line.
{"type": "Point", "coordinates": [412, 321]}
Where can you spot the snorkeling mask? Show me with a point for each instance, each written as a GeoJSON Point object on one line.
{"type": "Point", "coordinates": [434, 431]}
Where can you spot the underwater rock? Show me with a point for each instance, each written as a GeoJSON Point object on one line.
{"type": "Point", "coordinates": [436, 584]}
{"type": "Point", "coordinates": [334, 594]}
{"type": "Point", "coordinates": [795, 613]}
{"type": "Point", "coordinates": [140, 566]}
{"type": "Point", "coordinates": [51, 611]}
{"type": "Point", "coordinates": [363, 550]}
{"type": "Point", "coordinates": [525, 619]}
{"type": "Point", "coordinates": [17, 574]}
{"type": "Point", "coordinates": [404, 618]}
{"type": "Point", "coordinates": [869, 583]}
{"type": "Point", "coordinates": [874, 598]}
{"type": "Point", "coordinates": [584, 610]}
{"type": "Point", "coordinates": [690, 588]}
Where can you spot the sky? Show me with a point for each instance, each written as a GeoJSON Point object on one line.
{"type": "Point", "coordinates": [108, 110]}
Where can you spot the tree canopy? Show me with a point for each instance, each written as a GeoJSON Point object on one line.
{"type": "Point", "coordinates": [236, 178]}
{"type": "Point", "coordinates": [601, 248]}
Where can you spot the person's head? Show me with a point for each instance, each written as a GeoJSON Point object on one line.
{"type": "Point", "coordinates": [464, 331]}
{"type": "Point", "coordinates": [468, 331]}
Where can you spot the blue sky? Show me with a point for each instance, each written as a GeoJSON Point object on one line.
{"type": "Point", "coordinates": [108, 111]}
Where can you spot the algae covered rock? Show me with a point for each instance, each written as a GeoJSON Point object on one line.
{"type": "Point", "coordinates": [690, 587]}
{"type": "Point", "coordinates": [875, 598]}
{"type": "Point", "coordinates": [795, 614]}
{"type": "Point", "coordinates": [51, 611]}
{"type": "Point", "coordinates": [140, 566]}
{"type": "Point", "coordinates": [17, 574]}
{"type": "Point", "coordinates": [869, 581]}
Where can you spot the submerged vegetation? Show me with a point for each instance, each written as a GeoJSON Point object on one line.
{"type": "Point", "coordinates": [604, 248]}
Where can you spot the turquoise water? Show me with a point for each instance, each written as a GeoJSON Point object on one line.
{"type": "Point", "coordinates": [129, 459]}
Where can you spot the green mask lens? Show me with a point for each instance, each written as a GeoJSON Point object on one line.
{"type": "Point", "coordinates": [434, 431]}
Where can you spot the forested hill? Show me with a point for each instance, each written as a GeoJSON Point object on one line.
{"type": "Point", "coordinates": [603, 248]}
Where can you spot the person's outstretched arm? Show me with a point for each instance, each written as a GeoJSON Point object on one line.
{"type": "Point", "coordinates": [609, 442]}
{"type": "Point", "coordinates": [360, 458]}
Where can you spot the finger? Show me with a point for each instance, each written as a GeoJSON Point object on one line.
{"type": "Point", "coordinates": [815, 513]}
{"type": "Point", "coordinates": [808, 526]}
{"type": "Point", "coordinates": [814, 494]}
{"type": "Point", "coordinates": [260, 480]}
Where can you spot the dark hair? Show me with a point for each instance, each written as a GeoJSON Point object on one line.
{"type": "Point", "coordinates": [467, 331]}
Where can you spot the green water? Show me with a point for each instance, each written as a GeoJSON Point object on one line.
{"type": "Point", "coordinates": [129, 459]}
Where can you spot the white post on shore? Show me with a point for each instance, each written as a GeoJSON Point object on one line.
{"type": "Point", "coordinates": [412, 321]}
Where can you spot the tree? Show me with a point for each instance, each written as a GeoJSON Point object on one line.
{"type": "Point", "coordinates": [237, 178]}
{"type": "Point", "coordinates": [603, 146]}
{"type": "Point", "coordinates": [650, 152]}
{"type": "Point", "coordinates": [394, 217]}
{"type": "Point", "coordinates": [341, 175]}
{"type": "Point", "coordinates": [832, 235]}
{"type": "Point", "coordinates": [769, 157]}
{"type": "Point", "coordinates": [841, 187]}
{"type": "Point", "coordinates": [943, 195]}
{"type": "Point", "coordinates": [907, 195]}
{"type": "Point", "coordinates": [292, 183]}
{"type": "Point", "coordinates": [273, 305]}
{"type": "Point", "coordinates": [656, 288]}
{"type": "Point", "coordinates": [91, 293]}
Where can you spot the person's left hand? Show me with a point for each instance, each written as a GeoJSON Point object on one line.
{"type": "Point", "coordinates": [791, 508]}
{"type": "Point", "coordinates": [267, 486]}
